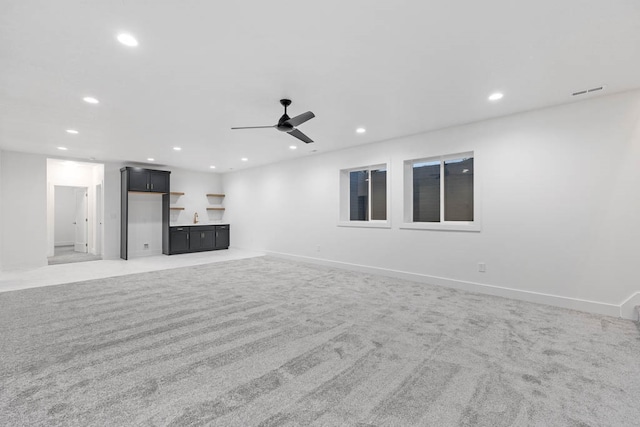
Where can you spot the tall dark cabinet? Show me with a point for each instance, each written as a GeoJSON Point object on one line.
{"type": "Point", "coordinates": [144, 181]}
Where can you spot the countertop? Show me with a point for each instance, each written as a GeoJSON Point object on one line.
{"type": "Point", "coordinates": [198, 224]}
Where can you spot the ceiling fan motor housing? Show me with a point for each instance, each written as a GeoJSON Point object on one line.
{"type": "Point", "coordinates": [283, 126]}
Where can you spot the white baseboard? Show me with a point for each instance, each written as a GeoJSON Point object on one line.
{"type": "Point", "coordinates": [536, 297]}
{"type": "Point", "coordinates": [56, 244]}
{"type": "Point", "coordinates": [628, 308]}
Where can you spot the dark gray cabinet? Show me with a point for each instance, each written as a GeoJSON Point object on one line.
{"type": "Point", "coordinates": [202, 238]}
{"type": "Point", "coordinates": [147, 180]}
{"type": "Point", "coordinates": [142, 180]}
{"type": "Point", "coordinates": [198, 238]}
{"type": "Point", "coordinates": [222, 237]}
{"type": "Point", "coordinates": [179, 240]}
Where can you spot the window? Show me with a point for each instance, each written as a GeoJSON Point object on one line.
{"type": "Point", "coordinates": [364, 196]}
{"type": "Point", "coordinates": [440, 193]}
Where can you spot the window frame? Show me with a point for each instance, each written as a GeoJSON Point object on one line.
{"type": "Point", "coordinates": [408, 223]}
{"type": "Point", "coordinates": [345, 201]}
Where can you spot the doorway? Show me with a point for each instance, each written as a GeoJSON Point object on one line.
{"type": "Point", "coordinates": [71, 226]}
{"type": "Point", "coordinates": [75, 211]}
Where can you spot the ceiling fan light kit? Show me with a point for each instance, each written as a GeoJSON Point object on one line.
{"type": "Point", "coordinates": [288, 124]}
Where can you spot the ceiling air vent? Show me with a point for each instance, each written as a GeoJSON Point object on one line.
{"type": "Point", "coordinates": [582, 92]}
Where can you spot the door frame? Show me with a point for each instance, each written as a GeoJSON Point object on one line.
{"type": "Point", "coordinates": [51, 214]}
{"type": "Point", "coordinates": [81, 220]}
{"type": "Point", "coordinates": [99, 220]}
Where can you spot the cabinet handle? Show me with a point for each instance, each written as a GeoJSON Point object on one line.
{"type": "Point", "coordinates": [152, 186]}
{"type": "Point", "coordinates": [147, 187]}
{"type": "Point", "coordinates": [187, 237]}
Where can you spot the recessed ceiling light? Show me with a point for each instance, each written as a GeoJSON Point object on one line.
{"type": "Point", "coordinates": [151, 159]}
{"type": "Point", "coordinates": [177, 148]}
{"type": "Point", "coordinates": [72, 131]}
{"type": "Point", "coordinates": [127, 40]}
{"type": "Point", "coordinates": [212, 167]}
{"type": "Point", "coordinates": [495, 96]}
{"type": "Point", "coordinates": [361, 130]}
{"type": "Point", "coordinates": [63, 148]}
{"type": "Point", "coordinates": [244, 159]}
{"type": "Point", "coordinates": [293, 147]}
{"type": "Point", "coordinates": [90, 100]}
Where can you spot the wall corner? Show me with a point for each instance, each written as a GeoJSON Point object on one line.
{"type": "Point", "coordinates": [628, 307]}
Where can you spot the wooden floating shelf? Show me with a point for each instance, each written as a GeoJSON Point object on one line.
{"type": "Point", "coordinates": [215, 195]}
{"type": "Point", "coordinates": [176, 193]}
{"type": "Point", "coordinates": [215, 209]}
{"type": "Point", "coordinates": [176, 209]}
{"type": "Point", "coordinates": [144, 192]}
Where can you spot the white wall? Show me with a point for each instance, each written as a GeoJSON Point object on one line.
{"type": "Point", "coordinates": [1, 209]}
{"type": "Point", "coordinates": [64, 215]}
{"type": "Point", "coordinates": [96, 228]}
{"type": "Point", "coordinates": [560, 207]}
{"type": "Point", "coordinates": [23, 230]}
{"type": "Point", "coordinates": [145, 224]}
{"type": "Point", "coordinates": [196, 186]}
{"type": "Point", "coordinates": [111, 227]}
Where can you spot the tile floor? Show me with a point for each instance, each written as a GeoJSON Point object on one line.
{"type": "Point", "coordinates": [67, 254]}
{"type": "Point", "coordinates": [75, 272]}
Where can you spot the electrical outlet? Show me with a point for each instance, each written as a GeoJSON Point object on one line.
{"type": "Point", "coordinates": [146, 246]}
{"type": "Point", "coordinates": [318, 248]}
{"type": "Point", "coordinates": [482, 267]}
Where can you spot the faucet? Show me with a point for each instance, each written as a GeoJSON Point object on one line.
{"type": "Point", "coordinates": [195, 218]}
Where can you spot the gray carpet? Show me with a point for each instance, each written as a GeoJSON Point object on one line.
{"type": "Point", "coordinates": [267, 342]}
{"type": "Point", "coordinates": [67, 254]}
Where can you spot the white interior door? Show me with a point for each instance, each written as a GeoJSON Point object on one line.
{"type": "Point", "coordinates": [81, 220]}
{"type": "Point", "coordinates": [98, 219]}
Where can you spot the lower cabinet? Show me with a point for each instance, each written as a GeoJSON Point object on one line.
{"type": "Point", "coordinates": [222, 237]}
{"type": "Point", "coordinates": [202, 238]}
{"type": "Point", "coordinates": [197, 238]}
{"type": "Point", "coordinates": [178, 240]}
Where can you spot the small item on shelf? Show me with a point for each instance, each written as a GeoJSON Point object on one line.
{"type": "Point", "coordinates": [195, 218]}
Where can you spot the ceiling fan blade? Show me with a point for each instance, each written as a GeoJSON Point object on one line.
{"type": "Point", "coordinates": [254, 127]}
{"type": "Point", "coordinates": [301, 136]}
{"type": "Point", "coordinates": [298, 120]}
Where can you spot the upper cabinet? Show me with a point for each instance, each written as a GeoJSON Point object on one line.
{"type": "Point", "coordinates": [146, 180]}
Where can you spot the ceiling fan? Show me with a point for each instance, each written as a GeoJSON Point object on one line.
{"type": "Point", "coordinates": [288, 124]}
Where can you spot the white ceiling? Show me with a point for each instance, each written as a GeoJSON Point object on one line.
{"type": "Point", "coordinates": [394, 67]}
